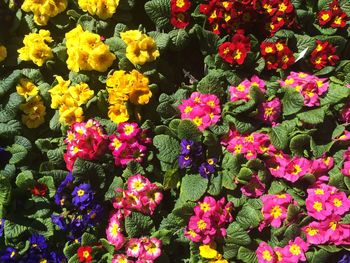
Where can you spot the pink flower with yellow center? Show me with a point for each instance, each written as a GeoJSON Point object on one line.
{"type": "Point", "coordinates": [296, 168]}
{"type": "Point", "coordinates": [295, 251]}
{"type": "Point", "coordinates": [317, 207]}
{"type": "Point", "coordinates": [127, 130]}
{"type": "Point", "coordinates": [275, 208]}
{"type": "Point", "coordinates": [134, 248]}
{"type": "Point", "coordinates": [138, 183]}
{"type": "Point", "coordinates": [152, 249]}
{"type": "Point", "coordinates": [114, 233]}
{"type": "Point", "coordinates": [265, 253]}
{"type": "Point", "coordinates": [315, 234]}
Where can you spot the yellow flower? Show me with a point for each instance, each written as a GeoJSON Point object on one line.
{"type": "Point", "coordinates": [102, 8]}
{"type": "Point", "coordinates": [34, 112]}
{"type": "Point", "coordinates": [101, 59]}
{"type": "Point", "coordinates": [118, 113]}
{"type": "Point", "coordinates": [3, 53]}
{"type": "Point", "coordinates": [81, 93]}
{"type": "Point", "coordinates": [69, 115]}
{"type": "Point", "coordinates": [35, 47]}
{"type": "Point", "coordinates": [208, 251]}
{"type": "Point", "coordinates": [44, 9]}
{"type": "Point", "coordinates": [86, 51]}
{"type": "Point", "coordinates": [58, 91]}
{"type": "Point", "coordinates": [26, 88]}
{"type": "Point", "coordinates": [131, 36]}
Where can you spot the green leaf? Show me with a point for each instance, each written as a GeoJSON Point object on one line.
{"type": "Point", "coordinates": [244, 175]}
{"type": "Point", "coordinates": [5, 190]}
{"type": "Point", "coordinates": [137, 224]}
{"type": "Point", "coordinates": [8, 83]}
{"type": "Point", "coordinates": [162, 39]}
{"type": "Point", "coordinates": [215, 185]}
{"type": "Point", "coordinates": [303, 42]}
{"type": "Point", "coordinates": [168, 147]}
{"type": "Point", "coordinates": [213, 83]}
{"type": "Point", "coordinates": [116, 183]}
{"type": "Point", "coordinates": [299, 143]}
{"type": "Point", "coordinates": [279, 136]}
{"type": "Point", "coordinates": [335, 94]}
{"type": "Point", "coordinates": [18, 152]}
{"type": "Point", "coordinates": [171, 178]}
{"type": "Point", "coordinates": [292, 212]}
{"type": "Point", "coordinates": [193, 187]}
{"type": "Point", "coordinates": [237, 235]}
{"type": "Point", "coordinates": [13, 230]}
{"type": "Point", "coordinates": [10, 129]}
{"type": "Point", "coordinates": [315, 116]}
{"type": "Point", "coordinates": [208, 40]}
{"type": "Point", "coordinates": [71, 250]}
{"type": "Point", "coordinates": [159, 12]}
{"type": "Point", "coordinates": [248, 217]}
{"type": "Point", "coordinates": [292, 101]}
{"type": "Point", "coordinates": [179, 39]}
{"type": "Point", "coordinates": [246, 255]}
{"type": "Point", "coordinates": [25, 180]}
{"type": "Point", "coordinates": [88, 239]}
{"type": "Point", "coordinates": [188, 130]}
{"type": "Point", "coordinates": [49, 182]}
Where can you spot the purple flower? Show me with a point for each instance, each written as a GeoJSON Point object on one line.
{"type": "Point", "coordinates": [59, 221]}
{"type": "Point", "coordinates": [38, 242]}
{"type": "Point", "coordinates": [207, 168]}
{"type": "Point", "coordinates": [185, 161]}
{"type": "Point", "coordinates": [94, 215]}
{"type": "Point", "coordinates": [60, 197]}
{"type": "Point", "coordinates": [8, 255]}
{"type": "Point", "coordinates": [82, 196]}
{"type": "Point", "coordinates": [345, 258]}
{"type": "Point", "coordinates": [186, 146]}
{"type": "Point", "coordinates": [2, 225]}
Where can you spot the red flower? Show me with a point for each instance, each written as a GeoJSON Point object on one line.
{"type": "Point", "coordinates": [285, 7]}
{"type": "Point", "coordinates": [339, 20]}
{"type": "Point", "coordinates": [267, 48]}
{"type": "Point", "coordinates": [84, 254]}
{"type": "Point", "coordinates": [323, 55]}
{"type": "Point", "coordinates": [334, 5]}
{"type": "Point", "coordinates": [285, 58]}
{"type": "Point", "coordinates": [39, 189]}
{"type": "Point", "coordinates": [235, 52]}
{"type": "Point", "coordinates": [324, 16]}
{"type": "Point", "coordinates": [276, 55]}
{"type": "Point", "coordinates": [180, 19]}
{"type": "Point", "coordinates": [180, 5]}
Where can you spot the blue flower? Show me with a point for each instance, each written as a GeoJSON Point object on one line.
{"type": "Point", "coordinates": [59, 221]}
{"type": "Point", "coordinates": [2, 225]}
{"type": "Point", "coordinates": [82, 196]}
{"type": "Point", "coordinates": [186, 146]}
{"type": "Point", "coordinates": [37, 242]}
{"type": "Point", "coordinates": [8, 255]}
{"type": "Point", "coordinates": [345, 258]}
{"type": "Point", "coordinates": [60, 197]}
{"type": "Point", "coordinates": [94, 216]}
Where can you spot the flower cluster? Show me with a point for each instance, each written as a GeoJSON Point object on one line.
{"type": "Point", "coordinates": [34, 112]}
{"type": "Point", "coordinates": [69, 99]}
{"type": "Point", "coordinates": [179, 16]}
{"type": "Point", "coordinates": [141, 195]}
{"type": "Point", "coordinates": [334, 17]}
{"type": "Point", "coordinates": [140, 47]}
{"type": "Point", "coordinates": [35, 47]}
{"type": "Point", "coordinates": [248, 145]}
{"type": "Point", "coordinates": [192, 156]}
{"type": "Point", "coordinates": [265, 17]}
{"type": "Point", "coordinates": [235, 51]}
{"type": "Point", "coordinates": [102, 9]}
{"type": "Point", "coordinates": [3, 53]}
{"type": "Point", "coordinates": [124, 87]}
{"type": "Point", "coordinates": [270, 111]}
{"type": "Point", "coordinates": [275, 209]}
{"type": "Point", "coordinates": [80, 207]}
{"type": "Point", "coordinates": [291, 253]}
{"type": "Point", "coordinates": [86, 51]}
{"type": "Point", "coordinates": [84, 140]}
{"type": "Point", "coordinates": [241, 91]}
{"type": "Point", "coordinates": [203, 109]}
{"type": "Point", "coordinates": [44, 10]}
{"type": "Point", "coordinates": [323, 55]}
{"type": "Point", "coordinates": [130, 144]}
{"type": "Point", "coordinates": [209, 220]}
{"type": "Point", "coordinates": [309, 86]}
{"type": "Point", "coordinates": [276, 55]}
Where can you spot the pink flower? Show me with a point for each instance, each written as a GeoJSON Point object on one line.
{"type": "Point", "coordinates": [275, 208]}
{"type": "Point", "coordinates": [265, 253]}
{"type": "Point", "coordinates": [254, 188]}
{"type": "Point", "coordinates": [152, 249]}
{"type": "Point", "coordinates": [121, 258]}
{"type": "Point", "coordinates": [134, 248]}
{"type": "Point", "coordinates": [296, 168]}
{"type": "Point", "coordinates": [345, 113]}
{"type": "Point", "coordinates": [114, 233]}
{"type": "Point", "coordinates": [270, 111]}
{"type": "Point", "coordinates": [207, 207]}
{"type": "Point", "coordinates": [315, 234]}
{"type": "Point", "coordinates": [346, 168]}
{"type": "Point", "coordinates": [340, 203]}
{"type": "Point", "coordinates": [127, 130]}
{"type": "Point", "coordinates": [241, 92]}
{"type": "Point", "coordinates": [317, 207]}
{"type": "Point", "coordinates": [295, 251]}
{"type": "Point", "coordinates": [137, 183]}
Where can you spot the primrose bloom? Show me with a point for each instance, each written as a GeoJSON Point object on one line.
{"type": "Point", "coordinates": [315, 233]}
{"type": "Point", "coordinates": [295, 251]}
{"type": "Point", "coordinates": [203, 109]}
{"type": "Point", "coordinates": [265, 253]}
{"type": "Point", "coordinates": [129, 144]}
{"type": "Point", "coordinates": [84, 140]}
{"type": "Point", "coordinates": [210, 219]}
{"type": "Point", "coordinates": [102, 9]}
{"type": "Point", "coordinates": [275, 208]}
{"type": "Point", "coordinates": [309, 86]}
{"type": "Point", "coordinates": [270, 111]}
{"type": "Point", "coordinates": [296, 168]}
{"type": "Point", "coordinates": [114, 232]}
{"type": "Point", "coordinates": [82, 196]}
{"type": "Point", "coordinates": [241, 92]}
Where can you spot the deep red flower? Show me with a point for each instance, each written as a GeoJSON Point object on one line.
{"type": "Point", "coordinates": [324, 16]}
{"type": "Point", "coordinates": [236, 51]}
{"type": "Point", "coordinates": [339, 20]}
{"type": "Point", "coordinates": [285, 58]}
{"type": "Point", "coordinates": [285, 7]}
{"type": "Point", "coordinates": [180, 19]}
{"type": "Point", "coordinates": [267, 48]}
{"type": "Point", "coordinates": [39, 189]}
{"type": "Point", "coordinates": [324, 54]}
{"type": "Point", "coordinates": [276, 55]}
{"type": "Point", "coordinates": [334, 5]}
{"type": "Point", "coordinates": [180, 5]}
{"type": "Point", "coordinates": [84, 254]}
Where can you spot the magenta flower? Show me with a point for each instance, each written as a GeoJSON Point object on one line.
{"type": "Point", "coordinates": [295, 251]}
{"type": "Point", "coordinates": [114, 233]}
{"type": "Point", "coordinates": [315, 234]}
{"type": "Point", "coordinates": [265, 253]}
{"type": "Point", "coordinates": [275, 208]}
{"type": "Point", "coordinates": [296, 169]}
{"type": "Point", "coordinates": [270, 111]}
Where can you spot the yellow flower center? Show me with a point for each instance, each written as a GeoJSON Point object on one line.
{"type": "Point", "coordinates": [188, 109]}
{"type": "Point", "coordinates": [276, 211]}
{"type": "Point", "coordinates": [333, 225]}
{"type": "Point", "coordinates": [337, 202]}
{"type": "Point", "coordinates": [80, 192]}
{"type": "Point", "coordinates": [311, 231]}
{"type": "Point", "coordinates": [325, 17]}
{"type": "Point", "coordinates": [282, 7]}
{"type": "Point", "coordinates": [318, 206]}
{"type": "Point", "coordinates": [295, 249]}
{"type": "Point", "coordinates": [241, 87]}
{"type": "Point", "coordinates": [267, 255]}
{"type": "Point", "coordinates": [86, 254]}
{"type": "Point", "coordinates": [237, 54]}
{"type": "Point", "coordinates": [205, 207]}
{"type": "Point", "coordinates": [180, 3]}
{"type": "Point", "coordinates": [201, 224]}
{"type": "Point", "coordinates": [128, 129]}
{"type": "Point", "coordinates": [198, 121]}
{"type": "Point", "coordinates": [115, 229]}
{"type": "Point", "coordinates": [337, 20]}
{"type": "Point", "coordinates": [268, 111]}
{"type": "Point", "coordinates": [268, 50]}
{"type": "Point", "coordinates": [296, 169]}
{"type": "Point", "coordinates": [289, 81]}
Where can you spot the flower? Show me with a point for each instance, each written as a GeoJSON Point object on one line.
{"type": "Point", "coordinates": [38, 242]}
{"type": "Point", "coordinates": [114, 233]}
{"type": "Point", "coordinates": [39, 189]}
{"type": "Point", "coordinates": [140, 47]}
{"type": "Point", "coordinates": [334, 17]}
{"type": "Point", "coordinates": [9, 254]}
{"type": "Point", "coordinates": [35, 47]}
{"type": "Point", "coordinates": [270, 111]}
{"type": "Point", "coordinates": [276, 55]}
{"type": "Point", "coordinates": [82, 196]}
{"type": "Point", "coordinates": [323, 55]}
{"type": "Point", "coordinates": [34, 112]}
{"type": "Point", "coordinates": [295, 250]}
{"type": "Point", "coordinates": [3, 53]}
{"type": "Point", "coordinates": [275, 208]}
{"type": "Point", "coordinates": [208, 251]}
{"type": "Point", "coordinates": [254, 188]}
{"type": "Point", "coordinates": [84, 254]}
{"type": "Point", "coordinates": [102, 9]}
{"type": "Point", "coordinates": [26, 88]}
{"type": "Point", "coordinates": [265, 253]}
